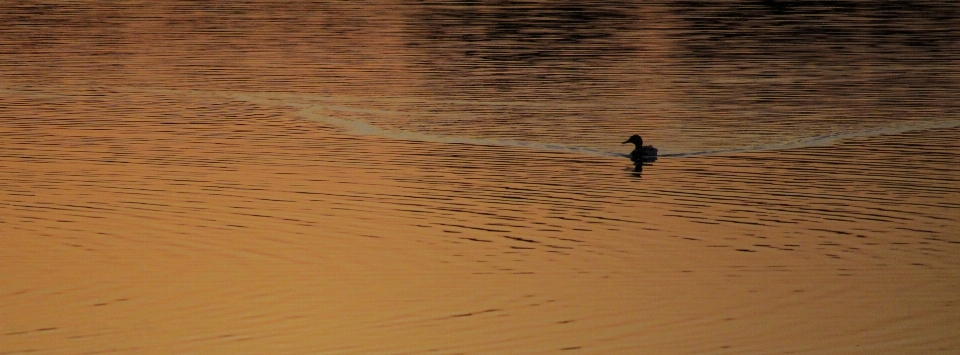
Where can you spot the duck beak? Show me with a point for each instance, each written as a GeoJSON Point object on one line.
{"type": "Point", "coordinates": [626, 141]}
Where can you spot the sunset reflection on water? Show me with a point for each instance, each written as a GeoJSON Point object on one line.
{"type": "Point", "coordinates": [447, 177]}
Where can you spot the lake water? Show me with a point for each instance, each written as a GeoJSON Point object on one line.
{"type": "Point", "coordinates": [385, 177]}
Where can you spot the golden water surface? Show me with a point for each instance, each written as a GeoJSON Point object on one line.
{"type": "Point", "coordinates": [437, 178]}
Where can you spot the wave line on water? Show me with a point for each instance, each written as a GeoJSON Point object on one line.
{"type": "Point", "coordinates": [365, 128]}
{"type": "Point", "coordinates": [308, 108]}
{"type": "Point", "coordinates": [824, 140]}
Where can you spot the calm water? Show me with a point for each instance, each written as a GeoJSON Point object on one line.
{"type": "Point", "coordinates": [452, 169]}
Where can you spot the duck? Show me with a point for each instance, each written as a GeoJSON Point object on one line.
{"type": "Point", "coordinates": [641, 154]}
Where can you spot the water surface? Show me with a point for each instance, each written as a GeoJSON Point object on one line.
{"type": "Point", "coordinates": [446, 177]}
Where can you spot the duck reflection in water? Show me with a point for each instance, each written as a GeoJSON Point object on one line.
{"type": "Point", "coordinates": [641, 154]}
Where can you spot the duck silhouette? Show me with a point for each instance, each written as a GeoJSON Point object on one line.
{"type": "Point", "coordinates": [641, 154]}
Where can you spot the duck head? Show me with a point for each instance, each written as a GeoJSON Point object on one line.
{"type": "Point", "coordinates": [635, 139]}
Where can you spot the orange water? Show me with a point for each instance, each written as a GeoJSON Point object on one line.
{"type": "Point", "coordinates": [298, 178]}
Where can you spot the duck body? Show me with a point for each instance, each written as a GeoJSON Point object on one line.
{"type": "Point", "coordinates": [641, 153]}
{"type": "Point", "coordinates": [645, 153]}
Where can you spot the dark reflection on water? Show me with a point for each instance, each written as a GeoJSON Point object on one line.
{"type": "Point", "coordinates": [780, 29]}
{"type": "Point", "coordinates": [490, 47]}
{"type": "Point", "coordinates": [696, 75]}
{"type": "Point", "coordinates": [822, 55]}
